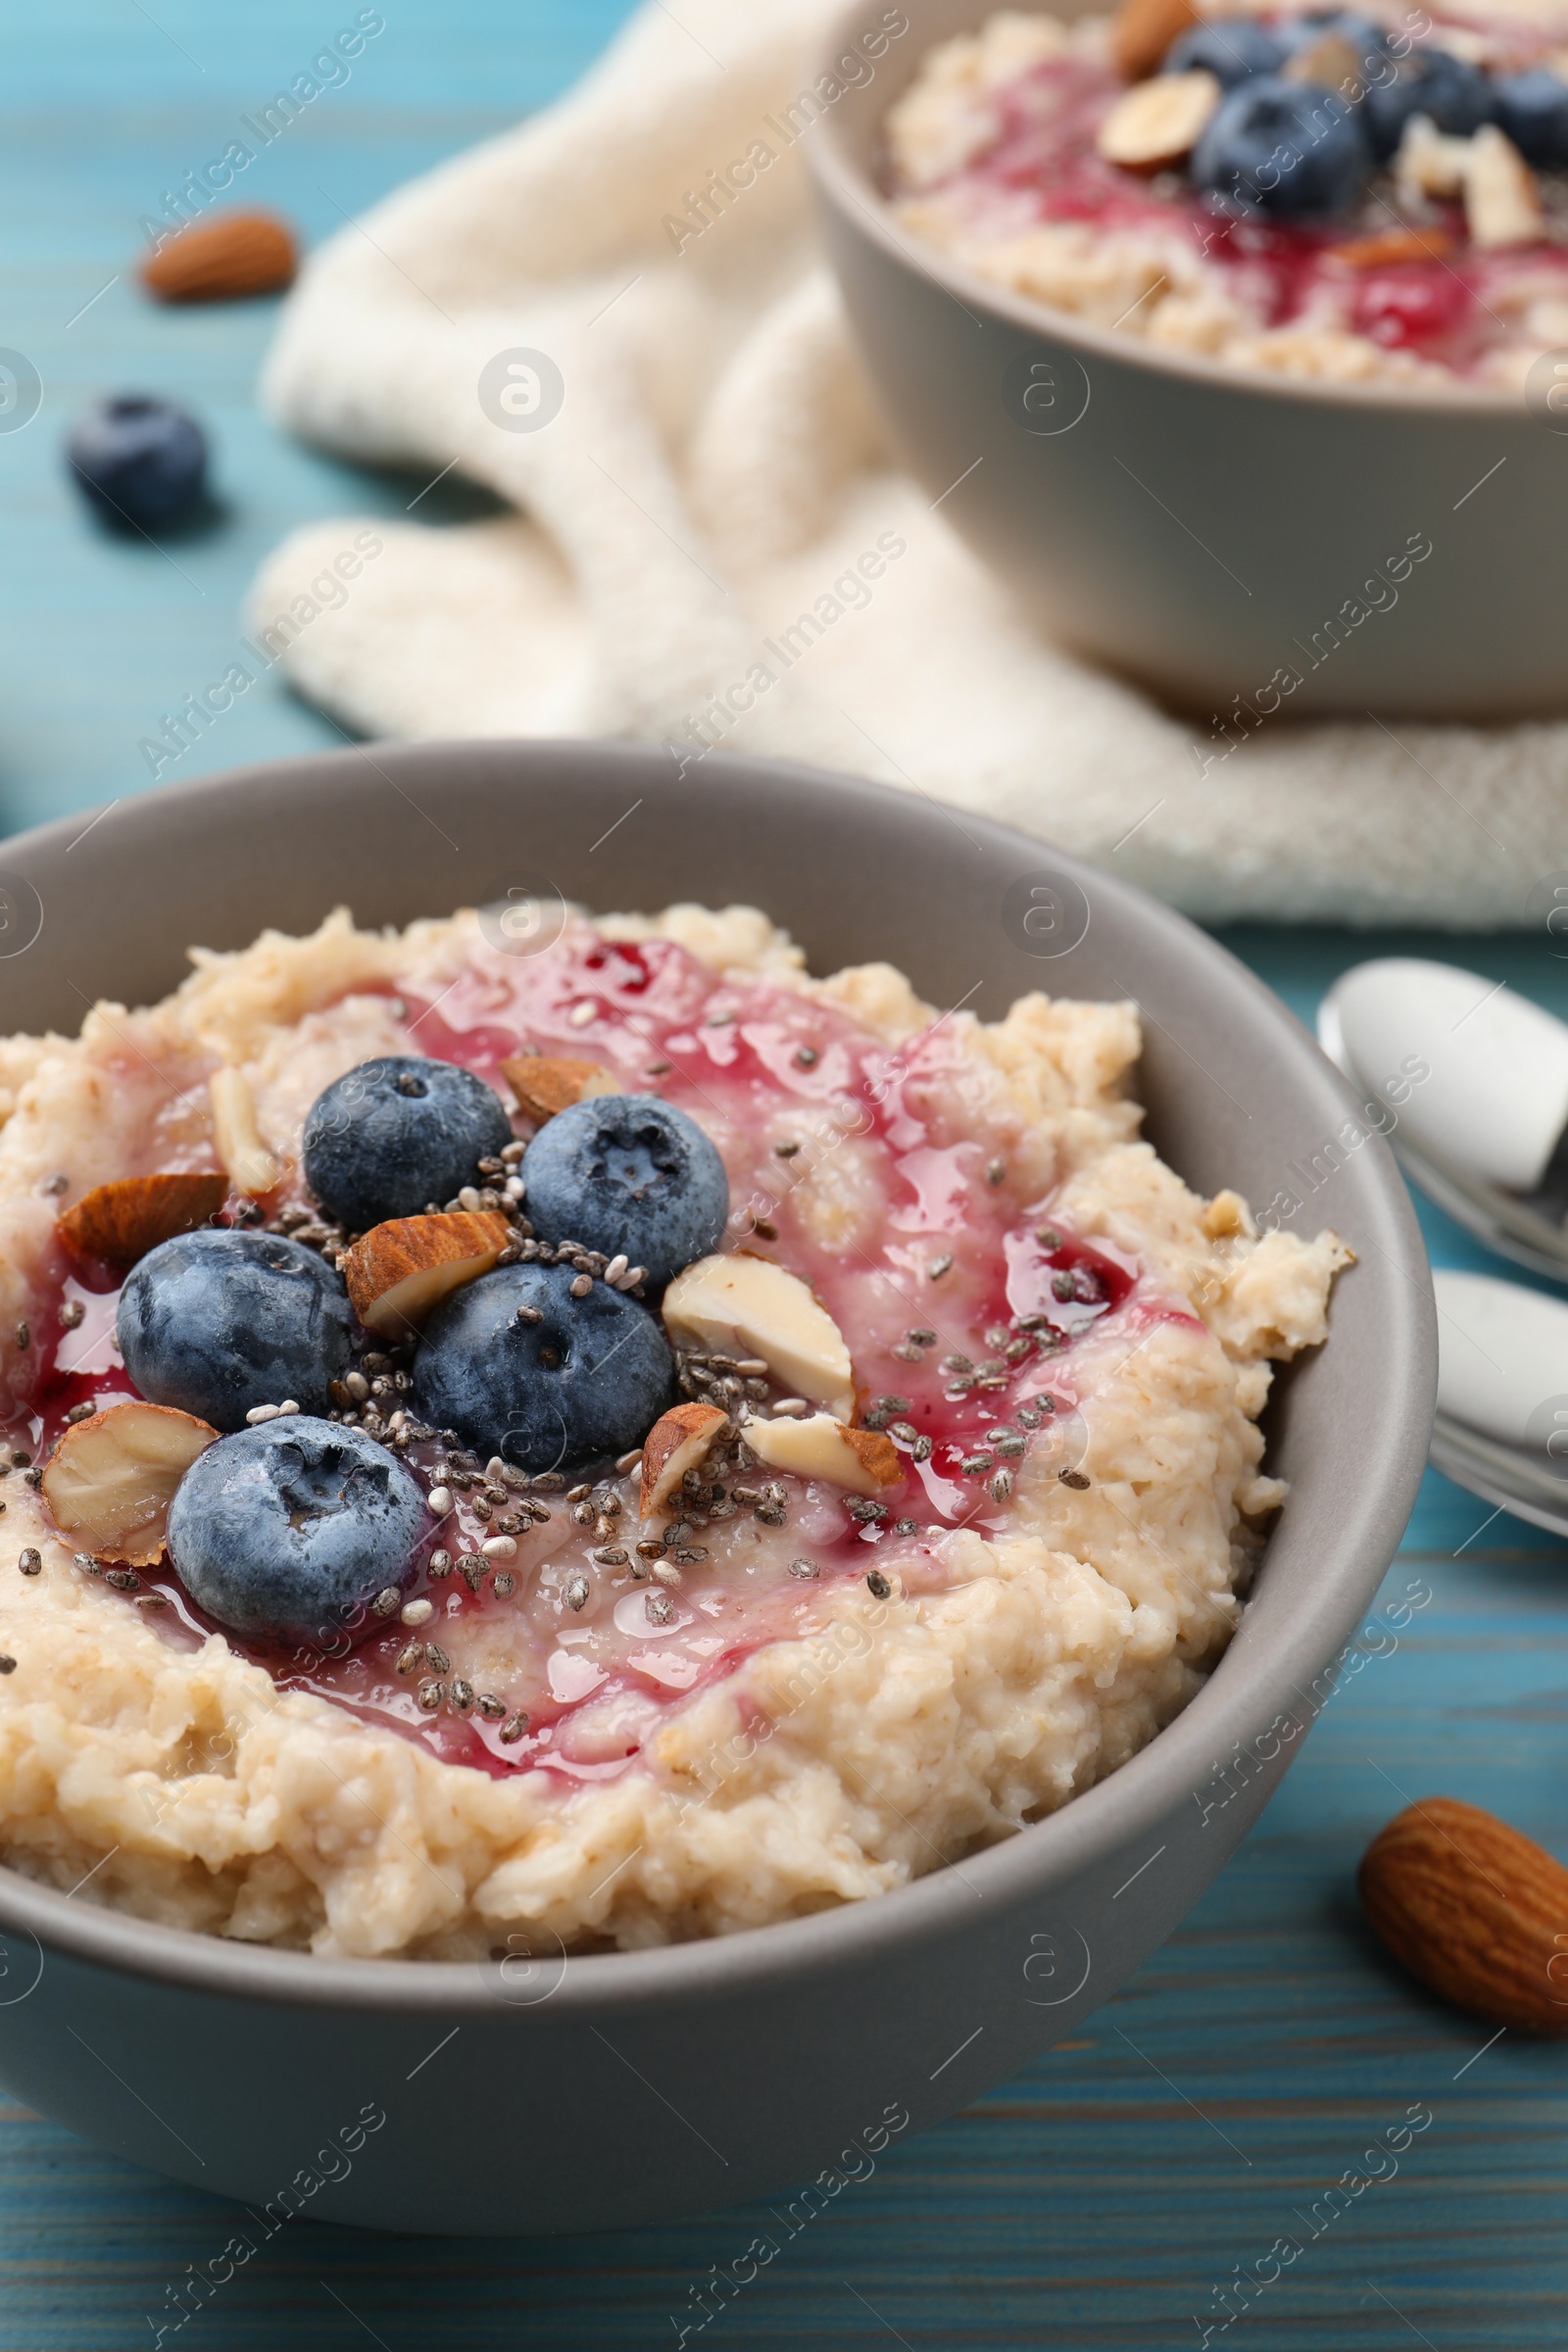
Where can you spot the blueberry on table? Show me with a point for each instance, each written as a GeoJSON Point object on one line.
{"type": "Point", "coordinates": [1533, 109]}
{"type": "Point", "coordinates": [1231, 48]}
{"type": "Point", "coordinates": [141, 462]}
{"type": "Point", "coordinates": [215, 1322]}
{"type": "Point", "coordinates": [390, 1137]}
{"type": "Point", "coordinates": [1287, 150]}
{"type": "Point", "coordinates": [519, 1367]}
{"type": "Point", "coordinates": [286, 1533]}
{"type": "Point", "coordinates": [629, 1173]}
{"type": "Point", "coordinates": [1455, 96]}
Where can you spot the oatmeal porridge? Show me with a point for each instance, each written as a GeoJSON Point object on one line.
{"type": "Point", "coordinates": [627, 1441]}
{"type": "Point", "coordinates": [1330, 193]}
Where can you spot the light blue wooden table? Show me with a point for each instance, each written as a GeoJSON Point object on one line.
{"type": "Point", "coordinates": [1102, 2197]}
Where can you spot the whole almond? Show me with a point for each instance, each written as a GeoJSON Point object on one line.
{"type": "Point", "coordinates": [1474, 1909]}
{"type": "Point", "coordinates": [223, 260]}
{"type": "Point", "coordinates": [123, 1220]}
{"type": "Point", "coordinates": [1142, 30]}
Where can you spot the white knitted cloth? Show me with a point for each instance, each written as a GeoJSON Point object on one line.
{"type": "Point", "coordinates": [717, 469]}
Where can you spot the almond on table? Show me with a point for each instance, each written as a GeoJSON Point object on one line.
{"type": "Point", "coordinates": [223, 259]}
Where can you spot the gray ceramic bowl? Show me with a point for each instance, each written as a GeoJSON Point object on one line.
{"type": "Point", "coordinates": [560, 2093]}
{"type": "Point", "coordinates": [1195, 527]}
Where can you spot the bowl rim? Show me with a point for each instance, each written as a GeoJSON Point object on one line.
{"type": "Point", "coordinates": [1249, 1687]}
{"type": "Point", "coordinates": [845, 183]}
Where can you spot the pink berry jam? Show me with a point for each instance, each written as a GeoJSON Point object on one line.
{"type": "Point", "coordinates": [959, 1300]}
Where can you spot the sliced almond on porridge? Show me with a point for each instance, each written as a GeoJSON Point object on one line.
{"type": "Point", "coordinates": [1428, 163]}
{"type": "Point", "coordinates": [399, 1272]}
{"type": "Point", "coordinates": [1159, 121]}
{"type": "Point", "coordinates": [750, 1306]}
{"type": "Point", "coordinates": [1332, 62]}
{"type": "Point", "coordinates": [1387, 245]}
{"type": "Point", "coordinates": [251, 1167]}
{"type": "Point", "coordinates": [110, 1480]}
{"type": "Point", "coordinates": [121, 1221]}
{"type": "Point", "coordinates": [545, 1083]}
{"type": "Point", "coordinates": [676, 1444]}
{"type": "Point", "coordinates": [1142, 30]}
{"type": "Point", "coordinates": [862, 1460]}
{"type": "Point", "coordinates": [1501, 196]}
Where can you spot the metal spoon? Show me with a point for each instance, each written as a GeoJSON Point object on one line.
{"type": "Point", "coordinates": [1483, 1125]}
{"type": "Point", "coordinates": [1501, 1425]}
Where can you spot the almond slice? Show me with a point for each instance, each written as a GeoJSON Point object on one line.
{"type": "Point", "coordinates": [251, 1167]}
{"type": "Point", "coordinates": [121, 1221]}
{"type": "Point", "coordinates": [110, 1480]}
{"type": "Point", "coordinates": [545, 1083]}
{"type": "Point", "coordinates": [1501, 197]}
{"type": "Point", "coordinates": [399, 1272]}
{"type": "Point", "coordinates": [1387, 245]}
{"type": "Point", "coordinates": [1142, 30]}
{"type": "Point", "coordinates": [750, 1306]}
{"type": "Point", "coordinates": [676, 1444]}
{"type": "Point", "coordinates": [1428, 163]}
{"type": "Point", "coordinates": [820, 1446]}
{"type": "Point", "coordinates": [1331, 61]}
{"type": "Point", "coordinates": [1159, 121]}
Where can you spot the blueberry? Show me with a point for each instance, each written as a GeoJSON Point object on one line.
{"type": "Point", "coordinates": [392, 1136]}
{"type": "Point", "coordinates": [589, 1378]}
{"type": "Point", "coordinates": [142, 463]}
{"type": "Point", "coordinates": [1290, 149]}
{"type": "Point", "coordinates": [1454, 95]}
{"type": "Point", "coordinates": [627, 1172]}
{"type": "Point", "coordinates": [1532, 109]}
{"type": "Point", "coordinates": [215, 1322]}
{"type": "Point", "coordinates": [1231, 49]}
{"type": "Point", "coordinates": [285, 1532]}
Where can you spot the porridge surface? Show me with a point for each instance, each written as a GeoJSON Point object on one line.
{"type": "Point", "coordinates": [821, 1694]}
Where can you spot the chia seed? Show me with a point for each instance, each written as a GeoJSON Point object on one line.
{"type": "Point", "coordinates": [387, 1601]}
{"type": "Point", "coordinates": [440, 1565]}
{"type": "Point", "coordinates": [576, 1589]}
{"type": "Point", "coordinates": [861, 1507]}
{"type": "Point", "coordinates": [878, 1585]}
{"type": "Point", "coordinates": [491, 1707]}
{"type": "Point", "coordinates": [123, 1580]}
{"type": "Point", "coordinates": [973, 1463]}
{"type": "Point", "coordinates": [906, 1527]}
{"type": "Point", "coordinates": [923, 1450]}
{"type": "Point", "coordinates": [956, 1363]}
{"type": "Point", "coordinates": [1074, 1479]}
{"type": "Point", "coordinates": [940, 1267]}
{"type": "Point", "coordinates": [71, 1314]}
{"type": "Point", "coordinates": [411, 1659]}
{"type": "Point", "coordinates": [1047, 1236]}
{"type": "Point", "coordinates": [24, 1337]}
{"type": "Point", "coordinates": [921, 1337]}
{"type": "Point", "coordinates": [514, 1727]}
{"type": "Point", "coordinates": [1001, 1485]}
{"type": "Point", "coordinates": [505, 1584]}
{"type": "Point", "coordinates": [806, 1056]}
{"type": "Point", "coordinates": [431, 1693]}
{"type": "Point", "coordinates": [461, 1694]}
{"type": "Point", "coordinates": [8, 1665]}
{"type": "Point", "coordinates": [661, 1608]}
{"type": "Point", "coordinates": [30, 1562]}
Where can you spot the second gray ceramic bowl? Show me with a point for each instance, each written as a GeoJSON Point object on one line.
{"type": "Point", "coordinates": [1195, 527]}
{"type": "Point", "coordinates": [541, 2093]}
